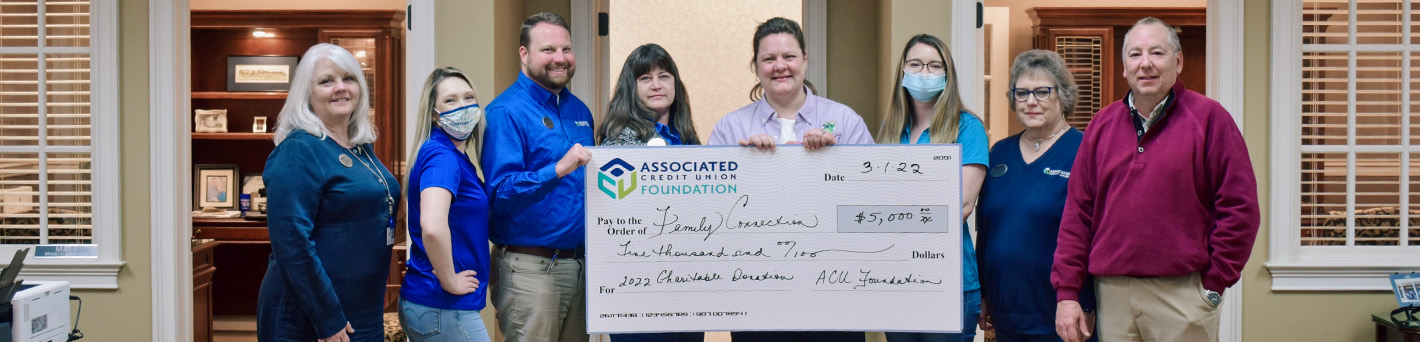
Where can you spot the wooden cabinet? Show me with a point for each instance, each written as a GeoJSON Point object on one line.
{"type": "Point", "coordinates": [374, 37]}
{"type": "Point", "coordinates": [202, 271]}
{"type": "Point", "coordinates": [1091, 40]}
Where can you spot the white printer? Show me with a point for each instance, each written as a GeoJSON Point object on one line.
{"type": "Point", "coordinates": [40, 312]}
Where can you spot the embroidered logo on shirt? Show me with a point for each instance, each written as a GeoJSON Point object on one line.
{"type": "Point", "coordinates": [583, 124]}
{"type": "Point", "coordinates": [1061, 173]}
{"type": "Point", "coordinates": [828, 126]}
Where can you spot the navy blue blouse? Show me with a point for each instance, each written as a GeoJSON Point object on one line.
{"type": "Point", "coordinates": [329, 252]}
{"type": "Point", "coordinates": [1018, 220]}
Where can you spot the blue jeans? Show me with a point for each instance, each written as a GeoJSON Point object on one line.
{"type": "Point", "coordinates": [660, 337]}
{"type": "Point", "coordinates": [422, 323]}
{"type": "Point", "coordinates": [971, 307]}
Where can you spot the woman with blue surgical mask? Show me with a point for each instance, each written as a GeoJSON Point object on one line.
{"type": "Point", "coordinates": [446, 279]}
{"type": "Point", "coordinates": [927, 109]}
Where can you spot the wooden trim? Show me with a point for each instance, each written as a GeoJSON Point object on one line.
{"type": "Point", "coordinates": [1117, 16]}
{"type": "Point", "coordinates": [170, 164]}
{"type": "Point", "coordinates": [229, 95]}
{"type": "Point", "coordinates": [233, 136]}
{"type": "Point", "coordinates": [294, 18]}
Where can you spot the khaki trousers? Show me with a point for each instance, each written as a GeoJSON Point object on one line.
{"type": "Point", "coordinates": [1155, 310]}
{"type": "Point", "coordinates": [538, 300]}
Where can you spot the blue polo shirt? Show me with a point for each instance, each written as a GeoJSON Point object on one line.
{"type": "Point", "coordinates": [529, 130]}
{"type": "Point", "coordinates": [971, 134]}
{"type": "Point", "coordinates": [441, 165]}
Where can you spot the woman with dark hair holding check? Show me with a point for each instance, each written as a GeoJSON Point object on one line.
{"type": "Point", "coordinates": [785, 111]}
{"type": "Point", "coordinates": [650, 108]}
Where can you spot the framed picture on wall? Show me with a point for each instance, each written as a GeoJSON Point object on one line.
{"type": "Point", "coordinates": [260, 73]}
{"type": "Point", "coordinates": [215, 186]}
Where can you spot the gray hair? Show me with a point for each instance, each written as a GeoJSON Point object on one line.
{"type": "Point", "coordinates": [1050, 64]}
{"type": "Point", "coordinates": [1173, 35]}
{"type": "Point", "coordinates": [296, 115]}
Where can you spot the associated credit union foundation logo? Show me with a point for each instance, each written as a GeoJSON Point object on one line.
{"type": "Point", "coordinates": [620, 176]}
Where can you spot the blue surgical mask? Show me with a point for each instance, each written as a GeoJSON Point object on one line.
{"type": "Point", "coordinates": [459, 123]}
{"type": "Point", "coordinates": [923, 87]}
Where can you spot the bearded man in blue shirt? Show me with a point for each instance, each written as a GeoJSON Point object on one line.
{"type": "Point", "coordinates": [534, 157]}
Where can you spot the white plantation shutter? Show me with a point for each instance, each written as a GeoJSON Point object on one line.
{"type": "Point", "coordinates": [46, 189]}
{"type": "Point", "coordinates": [1083, 58]}
{"type": "Point", "coordinates": [1359, 185]}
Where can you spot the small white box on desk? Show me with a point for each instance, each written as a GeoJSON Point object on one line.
{"type": "Point", "coordinates": [41, 312]}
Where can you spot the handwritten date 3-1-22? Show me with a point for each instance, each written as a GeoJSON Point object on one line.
{"type": "Point", "coordinates": [885, 167]}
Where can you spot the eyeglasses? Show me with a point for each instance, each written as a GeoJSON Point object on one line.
{"type": "Point", "coordinates": [934, 68]}
{"type": "Point", "coordinates": [1041, 94]}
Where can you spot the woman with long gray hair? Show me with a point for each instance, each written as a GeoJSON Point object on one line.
{"type": "Point", "coordinates": [330, 209]}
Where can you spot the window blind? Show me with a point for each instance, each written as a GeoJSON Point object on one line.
{"type": "Point", "coordinates": [45, 167]}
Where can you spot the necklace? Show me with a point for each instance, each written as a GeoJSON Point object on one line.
{"type": "Point", "coordinates": [389, 199]}
{"type": "Point", "coordinates": [1037, 141]}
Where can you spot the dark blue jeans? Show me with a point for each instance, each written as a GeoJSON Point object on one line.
{"type": "Point", "coordinates": [971, 307]}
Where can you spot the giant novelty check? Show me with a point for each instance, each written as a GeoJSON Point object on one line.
{"type": "Point", "coordinates": [852, 238]}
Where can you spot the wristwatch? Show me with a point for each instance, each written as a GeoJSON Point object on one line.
{"type": "Point", "coordinates": [1214, 297]}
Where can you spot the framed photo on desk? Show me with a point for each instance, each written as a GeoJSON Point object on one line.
{"type": "Point", "coordinates": [215, 186]}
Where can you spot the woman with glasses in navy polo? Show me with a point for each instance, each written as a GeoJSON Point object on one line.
{"type": "Point", "coordinates": [1022, 198]}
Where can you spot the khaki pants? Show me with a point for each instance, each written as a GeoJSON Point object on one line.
{"type": "Point", "coordinates": [1155, 309]}
{"type": "Point", "coordinates": [538, 303]}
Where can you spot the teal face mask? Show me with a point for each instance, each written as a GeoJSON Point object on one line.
{"type": "Point", "coordinates": [923, 88]}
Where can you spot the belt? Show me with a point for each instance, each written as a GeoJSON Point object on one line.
{"type": "Point", "coordinates": [546, 252]}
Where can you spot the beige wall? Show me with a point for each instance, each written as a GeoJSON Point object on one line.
{"type": "Point", "coordinates": [474, 25]}
{"type": "Point", "coordinates": [1021, 33]}
{"type": "Point", "coordinates": [852, 53]}
{"type": "Point", "coordinates": [710, 42]}
{"type": "Point", "coordinates": [289, 4]}
{"type": "Point", "coordinates": [126, 314]}
{"type": "Point", "coordinates": [900, 20]}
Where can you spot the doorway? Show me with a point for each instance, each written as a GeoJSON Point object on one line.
{"type": "Point", "coordinates": [1221, 77]}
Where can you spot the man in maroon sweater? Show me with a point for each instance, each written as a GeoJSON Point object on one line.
{"type": "Point", "coordinates": [1162, 206]}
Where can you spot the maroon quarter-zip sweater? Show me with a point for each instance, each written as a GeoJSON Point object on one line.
{"type": "Point", "coordinates": [1177, 199]}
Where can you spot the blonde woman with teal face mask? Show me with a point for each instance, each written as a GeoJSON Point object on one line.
{"type": "Point", "coordinates": [446, 281]}
{"type": "Point", "coordinates": [926, 109]}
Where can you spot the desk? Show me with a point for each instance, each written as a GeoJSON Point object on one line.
{"type": "Point", "coordinates": [243, 253]}
{"type": "Point", "coordinates": [1387, 331]}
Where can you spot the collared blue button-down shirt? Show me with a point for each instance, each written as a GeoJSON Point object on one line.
{"type": "Point", "coordinates": [669, 134]}
{"type": "Point", "coordinates": [529, 130]}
